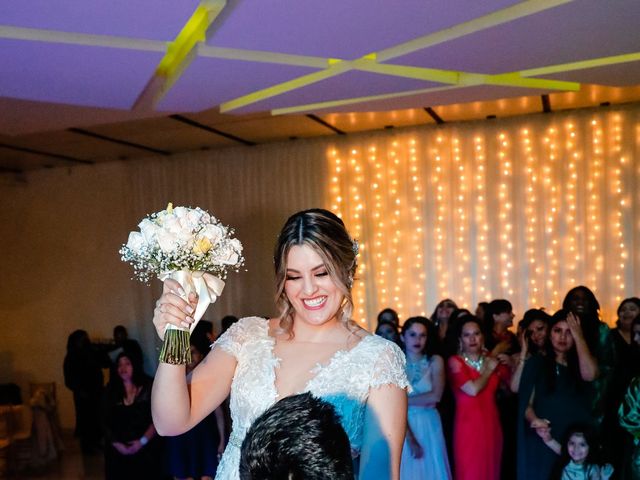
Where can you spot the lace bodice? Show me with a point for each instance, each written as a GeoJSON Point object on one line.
{"type": "Point", "coordinates": [344, 382]}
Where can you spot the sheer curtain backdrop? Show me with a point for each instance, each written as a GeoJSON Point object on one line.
{"type": "Point", "coordinates": [522, 209]}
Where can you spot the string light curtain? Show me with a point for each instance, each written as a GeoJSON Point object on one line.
{"type": "Point", "coordinates": [522, 209]}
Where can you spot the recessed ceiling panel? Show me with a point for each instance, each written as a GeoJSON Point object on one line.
{"type": "Point", "coordinates": [277, 128]}
{"type": "Point", "coordinates": [148, 19]}
{"type": "Point", "coordinates": [24, 116]}
{"type": "Point", "coordinates": [339, 28]}
{"type": "Point", "coordinates": [207, 82]}
{"type": "Point", "coordinates": [165, 134]}
{"type": "Point", "coordinates": [578, 30]}
{"type": "Point", "coordinates": [347, 85]}
{"type": "Point", "coordinates": [76, 146]}
{"type": "Point", "coordinates": [13, 160]}
{"type": "Point", "coordinates": [74, 74]}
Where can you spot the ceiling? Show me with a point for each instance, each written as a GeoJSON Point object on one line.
{"type": "Point", "coordinates": [97, 80]}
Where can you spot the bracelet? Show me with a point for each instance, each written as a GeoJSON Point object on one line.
{"type": "Point", "coordinates": [143, 440]}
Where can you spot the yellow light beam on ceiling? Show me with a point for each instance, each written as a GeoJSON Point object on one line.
{"type": "Point", "coordinates": [516, 80]}
{"type": "Point", "coordinates": [368, 64]}
{"type": "Point", "coordinates": [493, 19]}
{"type": "Point", "coordinates": [453, 77]}
{"type": "Point", "coordinates": [465, 80]}
{"type": "Point", "coordinates": [351, 101]}
{"type": "Point", "coordinates": [581, 65]}
{"type": "Point", "coordinates": [262, 56]}
{"type": "Point", "coordinates": [84, 39]}
{"type": "Point", "coordinates": [193, 32]}
{"type": "Point", "coordinates": [336, 68]}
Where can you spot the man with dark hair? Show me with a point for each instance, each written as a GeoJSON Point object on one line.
{"type": "Point", "coordinates": [299, 437]}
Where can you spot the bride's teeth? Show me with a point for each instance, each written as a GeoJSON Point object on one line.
{"type": "Point", "coordinates": [314, 302]}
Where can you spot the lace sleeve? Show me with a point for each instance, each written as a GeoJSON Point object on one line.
{"type": "Point", "coordinates": [389, 367]}
{"type": "Point", "coordinates": [232, 340]}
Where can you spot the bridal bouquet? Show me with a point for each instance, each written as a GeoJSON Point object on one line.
{"type": "Point", "coordinates": [192, 247]}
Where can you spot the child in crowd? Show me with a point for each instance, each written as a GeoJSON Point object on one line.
{"type": "Point", "coordinates": [579, 456]}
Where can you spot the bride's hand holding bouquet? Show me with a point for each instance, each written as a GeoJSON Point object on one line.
{"type": "Point", "coordinates": [191, 251]}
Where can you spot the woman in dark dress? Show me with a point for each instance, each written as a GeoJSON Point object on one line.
{"type": "Point", "coordinates": [554, 393]}
{"type": "Point", "coordinates": [133, 449]}
{"type": "Point", "coordinates": [83, 376]}
{"type": "Point", "coordinates": [583, 304]}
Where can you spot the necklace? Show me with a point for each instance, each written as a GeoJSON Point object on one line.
{"type": "Point", "coordinates": [475, 364]}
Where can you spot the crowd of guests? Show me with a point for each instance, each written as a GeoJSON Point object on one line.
{"type": "Point", "coordinates": [559, 399]}
{"type": "Point", "coordinates": [116, 418]}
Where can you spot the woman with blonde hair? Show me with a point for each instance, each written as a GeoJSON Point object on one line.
{"type": "Point", "coordinates": [312, 346]}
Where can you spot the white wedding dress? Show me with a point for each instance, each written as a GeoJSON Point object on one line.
{"type": "Point", "coordinates": [344, 382]}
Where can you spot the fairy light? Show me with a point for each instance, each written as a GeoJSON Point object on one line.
{"type": "Point", "coordinates": [594, 214]}
{"type": "Point", "coordinates": [531, 191]}
{"type": "Point", "coordinates": [551, 222]}
{"type": "Point", "coordinates": [570, 247]}
{"type": "Point", "coordinates": [619, 196]}
{"type": "Point", "coordinates": [441, 214]}
{"type": "Point", "coordinates": [415, 200]}
{"type": "Point", "coordinates": [460, 224]}
{"type": "Point", "coordinates": [505, 208]}
{"type": "Point", "coordinates": [482, 230]}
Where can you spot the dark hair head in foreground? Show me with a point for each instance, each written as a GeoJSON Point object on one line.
{"type": "Point", "coordinates": [299, 437]}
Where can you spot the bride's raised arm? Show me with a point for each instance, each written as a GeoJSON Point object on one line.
{"type": "Point", "coordinates": [177, 406]}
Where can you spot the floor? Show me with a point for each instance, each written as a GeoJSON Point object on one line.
{"type": "Point", "coordinates": [71, 466]}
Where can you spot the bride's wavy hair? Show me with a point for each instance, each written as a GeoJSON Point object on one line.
{"type": "Point", "coordinates": [327, 235]}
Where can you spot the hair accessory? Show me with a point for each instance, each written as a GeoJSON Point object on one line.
{"type": "Point", "coordinates": [355, 247]}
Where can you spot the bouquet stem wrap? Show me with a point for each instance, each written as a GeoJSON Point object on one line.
{"type": "Point", "coordinates": [175, 349]}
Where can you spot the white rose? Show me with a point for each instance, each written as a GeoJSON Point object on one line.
{"type": "Point", "coordinates": [205, 217]}
{"type": "Point", "coordinates": [194, 217]}
{"type": "Point", "coordinates": [172, 225]}
{"type": "Point", "coordinates": [180, 212]}
{"type": "Point", "coordinates": [236, 245]}
{"type": "Point", "coordinates": [135, 242]}
{"type": "Point", "coordinates": [167, 241]}
{"type": "Point", "coordinates": [228, 256]}
{"type": "Point", "coordinates": [213, 232]}
{"type": "Point", "coordinates": [185, 237]}
{"type": "Point", "coordinates": [149, 230]}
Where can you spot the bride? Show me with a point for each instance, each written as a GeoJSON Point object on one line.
{"type": "Point", "coordinates": [312, 346]}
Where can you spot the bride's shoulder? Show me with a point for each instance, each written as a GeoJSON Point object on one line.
{"type": "Point", "coordinates": [376, 345]}
{"type": "Point", "coordinates": [248, 326]}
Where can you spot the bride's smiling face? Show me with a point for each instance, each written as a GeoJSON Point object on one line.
{"type": "Point", "coordinates": [309, 287]}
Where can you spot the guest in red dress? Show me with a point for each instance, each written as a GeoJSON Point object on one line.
{"type": "Point", "coordinates": [474, 377]}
